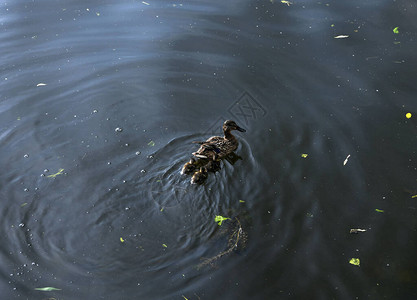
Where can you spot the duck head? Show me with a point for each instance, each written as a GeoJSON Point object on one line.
{"type": "Point", "coordinates": [229, 125]}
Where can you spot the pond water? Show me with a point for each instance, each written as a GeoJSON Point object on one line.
{"type": "Point", "coordinates": [101, 100]}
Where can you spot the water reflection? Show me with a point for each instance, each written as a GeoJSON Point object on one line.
{"type": "Point", "coordinates": [125, 89]}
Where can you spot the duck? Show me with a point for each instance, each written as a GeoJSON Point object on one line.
{"type": "Point", "coordinates": [213, 165]}
{"type": "Point", "coordinates": [200, 176]}
{"type": "Point", "coordinates": [218, 147]}
{"type": "Point", "coordinates": [189, 167]}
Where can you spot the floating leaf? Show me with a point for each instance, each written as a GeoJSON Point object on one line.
{"type": "Point", "coordinates": [341, 36]}
{"type": "Point", "coordinates": [408, 115]}
{"type": "Point", "coordinates": [379, 210]}
{"type": "Point", "coordinates": [304, 155]}
{"type": "Point", "coordinates": [357, 230]}
{"type": "Point", "coordinates": [286, 2]}
{"type": "Point", "coordinates": [184, 297]}
{"type": "Point", "coordinates": [41, 84]}
{"type": "Point", "coordinates": [122, 240]}
{"type": "Point", "coordinates": [220, 219]}
{"type": "Point", "coordinates": [165, 245]}
{"type": "Point", "coordinates": [47, 289]}
{"type": "Point", "coordinates": [24, 204]}
{"type": "Point", "coordinates": [151, 143]}
{"type": "Point", "coordinates": [355, 261]}
{"type": "Point", "coordinates": [241, 201]}
{"type": "Point", "coordinates": [56, 174]}
{"type": "Point", "coordinates": [146, 3]}
{"type": "Point", "coordinates": [414, 196]}
{"type": "Point", "coordinates": [346, 160]}
{"type": "Point", "coordinates": [395, 30]}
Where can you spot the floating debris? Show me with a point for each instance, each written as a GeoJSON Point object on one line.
{"type": "Point", "coordinates": [41, 84]}
{"type": "Point", "coordinates": [355, 261]}
{"type": "Point", "coordinates": [341, 36]}
{"type": "Point", "coordinates": [164, 245]}
{"type": "Point", "coordinates": [151, 144]}
{"type": "Point", "coordinates": [47, 289]}
{"type": "Point", "coordinates": [118, 129]}
{"type": "Point", "coordinates": [414, 196]}
{"type": "Point", "coordinates": [304, 155]}
{"type": "Point", "coordinates": [357, 230]}
{"type": "Point", "coordinates": [237, 239]}
{"type": "Point", "coordinates": [379, 210]}
{"type": "Point", "coordinates": [56, 174]}
{"type": "Point", "coordinates": [408, 115]}
{"type": "Point", "coordinates": [146, 3]}
{"type": "Point", "coordinates": [395, 30]}
{"type": "Point", "coordinates": [346, 160]}
{"type": "Point", "coordinates": [122, 240]}
{"type": "Point", "coordinates": [220, 219]}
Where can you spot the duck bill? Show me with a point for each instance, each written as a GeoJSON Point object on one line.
{"type": "Point", "coordinates": [240, 129]}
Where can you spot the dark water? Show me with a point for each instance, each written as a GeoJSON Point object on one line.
{"type": "Point", "coordinates": [113, 93]}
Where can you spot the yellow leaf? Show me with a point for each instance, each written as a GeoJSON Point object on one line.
{"type": "Point", "coordinates": [355, 261]}
{"type": "Point", "coordinates": [304, 155]}
{"type": "Point", "coordinates": [408, 115]}
{"type": "Point", "coordinates": [56, 174]}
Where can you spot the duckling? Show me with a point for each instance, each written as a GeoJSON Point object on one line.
{"type": "Point", "coordinates": [200, 176]}
{"type": "Point", "coordinates": [218, 146]}
{"type": "Point", "coordinates": [213, 166]}
{"type": "Point", "coordinates": [189, 167]}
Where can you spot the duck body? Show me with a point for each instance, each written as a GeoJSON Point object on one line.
{"type": "Point", "coordinates": [218, 147]}
{"type": "Point", "coordinates": [213, 166]}
{"type": "Point", "coordinates": [200, 176]}
{"type": "Point", "coordinates": [189, 167]}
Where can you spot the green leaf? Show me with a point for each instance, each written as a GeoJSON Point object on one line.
{"type": "Point", "coordinates": [165, 245]}
{"type": "Point", "coordinates": [220, 219]}
{"type": "Point", "coordinates": [379, 210]}
{"type": "Point", "coordinates": [355, 261]}
{"type": "Point", "coordinates": [151, 144]}
{"type": "Point", "coordinates": [47, 289]}
{"type": "Point", "coordinates": [304, 155]}
{"type": "Point", "coordinates": [395, 30]}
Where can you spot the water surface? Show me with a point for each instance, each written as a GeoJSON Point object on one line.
{"type": "Point", "coordinates": [100, 103]}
